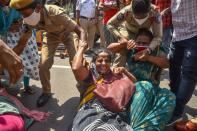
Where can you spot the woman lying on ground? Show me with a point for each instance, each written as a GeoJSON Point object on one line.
{"type": "Point", "coordinates": [147, 67]}
{"type": "Point", "coordinates": [149, 110]}
{"type": "Point", "coordinates": [92, 115]}
{"type": "Point", "coordinates": [14, 116]}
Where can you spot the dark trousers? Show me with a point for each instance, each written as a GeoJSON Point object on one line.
{"type": "Point", "coordinates": [183, 71]}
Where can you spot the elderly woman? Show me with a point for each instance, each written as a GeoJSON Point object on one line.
{"type": "Point", "coordinates": [92, 115]}
{"type": "Point", "coordinates": [147, 67]}
{"type": "Point", "coordinates": [149, 110]}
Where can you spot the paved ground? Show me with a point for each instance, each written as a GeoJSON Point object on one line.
{"type": "Point", "coordinates": [65, 99]}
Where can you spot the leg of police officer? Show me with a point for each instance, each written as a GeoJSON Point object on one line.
{"type": "Point", "coordinates": [49, 46]}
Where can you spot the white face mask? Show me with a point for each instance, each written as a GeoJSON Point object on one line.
{"type": "Point", "coordinates": [141, 21]}
{"type": "Point", "coordinates": [33, 19]}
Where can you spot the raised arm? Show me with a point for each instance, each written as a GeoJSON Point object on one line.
{"type": "Point", "coordinates": [117, 47]}
{"type": "Point", "coordinates": [79, 66]}
{"type": "Point", "coordinates": [80, 32]}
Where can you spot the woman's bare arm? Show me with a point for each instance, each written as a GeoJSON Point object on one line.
{"type": "Point", "coordinates": [80, 69]}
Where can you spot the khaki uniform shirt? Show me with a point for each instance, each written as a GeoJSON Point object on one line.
{"type": "Point", "coordinates": [56, 22]}
{"type": "Point", "coordinates": [124, 19]}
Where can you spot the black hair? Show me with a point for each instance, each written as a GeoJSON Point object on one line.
{"type": "Point", "coordinates": [98, 51]}
{"type": "Point", "coordinates": [145, 32]}
{"type": "Point", "coordinates": [141, 6]}
{"type": "Point", "coordinates": [33, 4]}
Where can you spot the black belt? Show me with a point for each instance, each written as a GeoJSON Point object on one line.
{"type": "Point", "coordinates": [86, 18]}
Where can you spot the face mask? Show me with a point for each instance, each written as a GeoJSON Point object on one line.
{"type": "Point", "coordinates": [33, 19]}
{"type": "Point", "coordinates": [141, 21]}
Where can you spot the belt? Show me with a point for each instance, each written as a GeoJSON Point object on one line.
{"type": "Point", "coordinates": [86, 18]}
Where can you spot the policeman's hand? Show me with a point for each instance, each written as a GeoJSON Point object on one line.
{"type": "Point", "coordinates": [83, 44]}
{"type": "Point", "coordinates": [10, 61]}
{"type": "Point", "coordinates": [131, 44]}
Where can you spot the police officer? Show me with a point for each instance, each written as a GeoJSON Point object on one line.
{"type": "Point", "coordinates": [126, 23]}
{"type": "Point", "coordinates": [59, 29]}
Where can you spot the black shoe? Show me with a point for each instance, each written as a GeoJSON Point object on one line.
{"type": "Point", "coordinates": [43, 99]}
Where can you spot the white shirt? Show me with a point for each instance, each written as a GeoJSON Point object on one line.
{"type": "Point", "coordinates": [87, 8]}
{"type": "Point", "coordinates": [184, 19]}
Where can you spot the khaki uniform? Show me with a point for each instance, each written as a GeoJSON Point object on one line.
{"type": "Point", "coordinates": [124, 24]}
{"type": "Point", "coordinates": [59, 29]}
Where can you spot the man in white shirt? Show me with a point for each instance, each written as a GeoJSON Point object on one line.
{"type": "Point", "coordinates": [86, 16]}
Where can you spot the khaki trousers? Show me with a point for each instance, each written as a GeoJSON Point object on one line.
{"type": "Point", "coordinates": [89, 27]}
{"type": "Point", "coordinates": [49, 47]}
{"type": "Point", "coordinates": [100, 27]}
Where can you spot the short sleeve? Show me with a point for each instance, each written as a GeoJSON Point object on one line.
{"type": "Point", "coordinates": [59, 16]}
